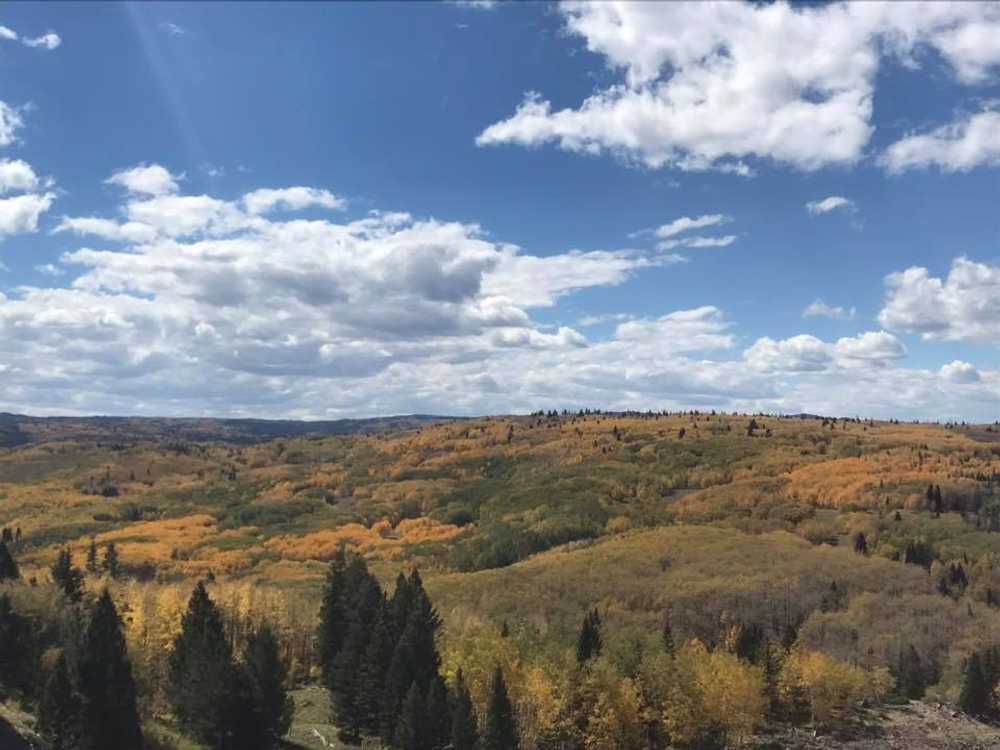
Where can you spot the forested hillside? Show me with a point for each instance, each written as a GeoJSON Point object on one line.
{"type": "Point", "coordinates": [583, 580]}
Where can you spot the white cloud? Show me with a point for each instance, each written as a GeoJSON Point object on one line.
{"type": "Point", "coordinates": [806, 353]}
{"type": "Point", "coordinates": [49, 269]}
{"type": "Point", "coordinates": [970, 142]}
{"type": "Point", "coordinates": [20, 214]}
{"type": "Point", "coordinates": [833, 203]}
{"type": "Point", "coordinates": [686, 223]}
{"type": "Point", "coordinates": [705, 86]}
{"type": "Point", "coordinates": [151, 179]}
{"type": "Point", "coordinates": [697, 242]}
{"type": "Point", "coordinates": [16, 175]}
{"type": "Point", "coordinates": [8, 34]}
{"type": "Point", "coordinates": [963, 307]}
{"type": "Point", "coordinates": [49, 41]}
{"type": "Point", "coordinates": [819, 309]}
{"type": "Point", "coordinates": [477, 4]}
{"type": "Point", "coordinates": [588, 321]}
{"type": "Point", "coordinates": [129, 231]}
{"type": "Point", "coordinates": [10, 121]}
{"type": "Point", "coordinates": [292, 199]}
{"type": "Point", "coordinates": [960, 372]}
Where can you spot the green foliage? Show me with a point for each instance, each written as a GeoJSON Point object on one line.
{"type": "Point", "coordinates": [60, 710]}
{"type": "Point", "coordinates": [67, 576]}
{"type": "Point", "coordinates": [464, 724]}
{"type": "Point", "coordinates": [267, 675]}
{"type": "Point", "coordinates": [975, 698]}
{"type": "Point", "coordinates": [588, 644]}
{"type": "Point", "coordinates": [17, 649]}
{"type": "Point", "coordinates": [8, 567]}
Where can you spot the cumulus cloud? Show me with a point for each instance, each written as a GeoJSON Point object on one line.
{"type": "Point", "coordinates": [833, 203]}
{"type": "Point", "coordinates": [806, 353]}
{"type": "Point", "coordinates": [706, 86]}
{"type": "Point", "coordinates": [292, 199]}
{"type": "Point", "coordinates": [151, 179]}
{"type": "Point", "coordinates": [960, 372]}
{"type": "Point", "coordinates": [20, 213]}
{"type": "Point", "coordinates": [973, 141]}
{"type": "Point", "coordinates": [965, 306]}
{"type": "Point", "coordinates": [819, 309]}
{"type": "Point", "coordinates": [16, 176]}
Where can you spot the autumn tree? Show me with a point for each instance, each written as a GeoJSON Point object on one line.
{"type": "Point", "coordinates": [111, 718]}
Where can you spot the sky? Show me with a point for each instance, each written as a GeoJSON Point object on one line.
{"type": "Point", "coordinates": [331, 210]}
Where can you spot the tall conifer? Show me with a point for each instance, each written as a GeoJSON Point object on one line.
{"type": "Point", "coordinates": [499, 730]}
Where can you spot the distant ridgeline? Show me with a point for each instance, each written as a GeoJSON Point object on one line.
{"type": "Point", "coordinates": [18, 429]}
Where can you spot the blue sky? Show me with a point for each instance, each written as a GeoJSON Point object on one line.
{"type": "Point", "coordinates": [486, 207]}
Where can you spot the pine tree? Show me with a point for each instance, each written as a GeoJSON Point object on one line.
{"type": "Point", "coordinates": [17, 649]}
{"type": "Point", "coordinates": [67, 576]}
{"type": "Point", "coordinates": [110, 564]}
{"type": "Point", "coordinates": [60, 712]}
{"type": "Point", "coordinates": [499, 730]}
{"type": "Point", "coordinates": [437, 715]}
{"type": "Point", "coordinates": [911, 681]}
{"type": "Point", "coordinates": [92, 556]}
{"type": "Point", "coordinates": [464, 725]}
{"type": "Point", "coordinates": [410, 734]}
{"type": "Point", "coordinates": [202, 676]}
{"type": "Point", "coordinates": [589, 642]}
{"type": "Point", "coordinates": [267, 675]}
{"type": "Point", "coordinates": [860, 543]}
{"type": "Point", "coordinates": [111, 718]}
{"type": "Point", "coordinates": [332, 617]}
{"type": "Point", "coordinates": [975, 696]}
{"type": "Point", "coordinates": [8, 567]}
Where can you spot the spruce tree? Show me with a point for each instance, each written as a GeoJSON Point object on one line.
{"type": "Point", "coordinates": [410, 731]}
{"type": "Point", "coordinates": [975, 696]}
{"type": "Point", "coordinates": [60, 712]}
{"type": "Point", "coordinates": [911, 682]}
{"type": "Point", "coordinates": [464, 725]}
{"type": "Point", "coordinates": [345, 683]}
{"type": "Point", "coordinates": [17, 649]}
{"type": "Point", "coordinates": [202, 676]}
{"type": "Point", "coordinates": [374, 667]}
{"type": "Point", "coordinates": [588, 645]}
{"type": "Point", "coordinates": [92, 556]}
{"type": "Point", "coordinates": [111, 565]}
{"type": "Point", "coordinates": [267, 674]}
{"type": "Point", "coordinates": [499, 730]}
{"type": "Point", "coordinates": [111, 718]}
{"type": "Point", "coordinates": [8, 567]}
{"type": "Point", "coordinates": [667, 637]}
{"type": "Point", "coordinates": [67, 576]}
{"type": "Point", "coordinates": [437, 715]}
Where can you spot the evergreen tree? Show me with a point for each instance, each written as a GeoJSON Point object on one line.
{"type": "Point", "coordinates": [267, 674]}
{"type": "Point", "coordinates": [464, 725]}
{"type": "Point", "coordinates": [111, 718]}
{"type": "Point", "coordinates": [67, 576]}
{"type": "Point", "coordinates": [667, 637]}
{"type": "Point", "coordinates": [975, 696]}
{"type": "Point", "coordinates": [911, 681]}
{"type": "Point", "coordinates": [345, 683]}
{"type": "Point", "coordinates": [437, 715]}
{"type": "Point", "coordinates": [860, 543]}
{"type": "Point", "coordinates": [374, 668]}
{"type": "Point", "coordinates": [332, 617]}
{"type": "Point", "coordinates": [17, 649]}
{"type": "Point", "coordinates": [588, 644]}
{"type": "Point", "coordinates": [499, 730]}
{"type": "Point", "coordinates": [92, 556]}
{"type": "Point", "coordinates": [203, 682]}
{"type": "Point", "coordinates": [110, 564]}
{"type": "Point", "coordinates": [60, 712]}
{"type": "Point", "coordinates": [8, 567]}
{"type": "Point", "coordinates": [410, 731]}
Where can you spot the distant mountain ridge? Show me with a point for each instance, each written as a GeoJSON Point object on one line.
{"type": "Point", "coordinates": [19, 429]}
